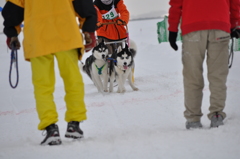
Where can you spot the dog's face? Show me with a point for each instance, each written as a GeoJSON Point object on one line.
{"type": "Point", "coordinates": [100, 52]}
{"type": "Point", "coordinates": [124, 58]}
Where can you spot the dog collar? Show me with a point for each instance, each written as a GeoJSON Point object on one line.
{"type": "Point", "coordinates": [100, 69]}
{"type": "Point", "coordinates": [115, 61]}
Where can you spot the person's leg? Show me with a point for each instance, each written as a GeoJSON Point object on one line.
{"type": "Point", "coordinates": [193, 54]}
{"type": "Point", "coordinates": [73, 84]}
{"type": "Point", "coordinates": [217, 62]}
{"type": "Point", "coordinates": [43, 79]}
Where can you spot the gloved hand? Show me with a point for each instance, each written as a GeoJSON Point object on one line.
{"type": "Point", "coordinates": [99, 24]}
{"type": "Point", "coordinates": [120, 22]}
{"type": "Point", "coordinates": [13, 43]}
{"type": "Point", "coordinates": [172, 40]}
{"type": "Point", "coordinates": [235, 33]}
{"type": "Point", "coordinates": [90, 40]}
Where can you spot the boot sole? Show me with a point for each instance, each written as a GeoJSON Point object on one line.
{"type": "Point", "coordinates": [52, 141]}
{"type": "Point", "coordinates": [74, 135]}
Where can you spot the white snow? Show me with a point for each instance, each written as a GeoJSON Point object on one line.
{"type": "Point", "coordinates": [144, 124]}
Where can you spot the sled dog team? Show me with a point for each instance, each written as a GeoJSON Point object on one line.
{"type": "Point", "coordinates": [104, 68]}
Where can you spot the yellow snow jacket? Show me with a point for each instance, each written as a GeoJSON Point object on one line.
{"type": "Point", "coordinates": [50, 27]}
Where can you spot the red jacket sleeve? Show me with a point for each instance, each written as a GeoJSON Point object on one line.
{"type": "Point", "coordinates": [235, 13]}
{"type": "Point", "coordinates": [175, 13]}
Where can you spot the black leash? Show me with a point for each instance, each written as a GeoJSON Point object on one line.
{"type": "Point", "coordinates": [231, 54]}
{"type": "Point", "coordinates": [14, 59]}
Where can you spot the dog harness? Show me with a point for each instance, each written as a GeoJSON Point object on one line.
{"type": "Point", "coordinates": [100, 69]}
{"type": "Point", "coordinates": [114, 60]}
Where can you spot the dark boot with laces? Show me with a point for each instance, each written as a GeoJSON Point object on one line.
{"type": "Point", "coordinates": [216, 120]}
{"type": "Point", "coordinates": [73, 130]}
{"type": "Point", "coordinates": [52, 136]}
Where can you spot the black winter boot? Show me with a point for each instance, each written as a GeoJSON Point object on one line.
{"type": "Point", "coordinates": [73, 130]}
{"type": "Point", "coordinates": [52, 136]}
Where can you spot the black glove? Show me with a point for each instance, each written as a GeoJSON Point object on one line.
{"type": "Point", "coordinates": [172, 40]}
{"type": "Point", "coordinates": [235, 33]}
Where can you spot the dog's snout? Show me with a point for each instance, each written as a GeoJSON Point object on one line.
{"type": "Point", "coordinates": [125, 63]}
{"type": "Point", "coordinates": [103, 56]}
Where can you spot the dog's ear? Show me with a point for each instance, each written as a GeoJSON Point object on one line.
{"type": "Point", "coordinates": [126, 46]}
{"type": "Point", "coordinates": [119, 49]}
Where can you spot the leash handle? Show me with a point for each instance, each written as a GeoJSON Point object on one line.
{"type": "Point", "coordinates": [231, 54]}
{"type": "Point", "coordinates": [107, 23]}
{"type": "Point", "coordinates": [14, 60]}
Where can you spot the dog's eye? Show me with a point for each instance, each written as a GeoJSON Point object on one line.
{"type": "Point", "coordinates": [127, 57]}
{"type": "Point", "coordinates": [122, 58]}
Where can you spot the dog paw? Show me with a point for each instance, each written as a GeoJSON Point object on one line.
{"type": "Point", "coordinates": [120, 91]}
{"type": "Point", "coordinates": [123, 91]}
{"type": "Point", "coordinates": [135, 89]}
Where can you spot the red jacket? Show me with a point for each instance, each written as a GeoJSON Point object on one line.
{"type": "Point", "coordinates": [198, 15]}
{"type": "Point", "coordinates": [112, 31]}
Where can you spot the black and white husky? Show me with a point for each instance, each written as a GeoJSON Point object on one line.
{"type": "Point", "coordinates": [122, 67]}
{"type": "Point", "coordinates": [96, 67]}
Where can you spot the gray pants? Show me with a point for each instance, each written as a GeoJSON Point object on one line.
{"type": "Point", "coordinates": [196, 45]}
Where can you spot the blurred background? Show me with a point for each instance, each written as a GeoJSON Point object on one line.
{"type": "Point", "coordinates": [142, 9]}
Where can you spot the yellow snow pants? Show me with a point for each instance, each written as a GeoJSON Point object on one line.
{"type": "Point", "coordinates": [43, 78]}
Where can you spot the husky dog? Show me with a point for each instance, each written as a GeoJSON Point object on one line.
{"type": "Point", "coordinates": [96, 67]}
{"type": "Point", "coordinates": [123, 65]}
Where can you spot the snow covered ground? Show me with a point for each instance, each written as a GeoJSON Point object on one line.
{"type": "Point", "coordinates": [148, 123]}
